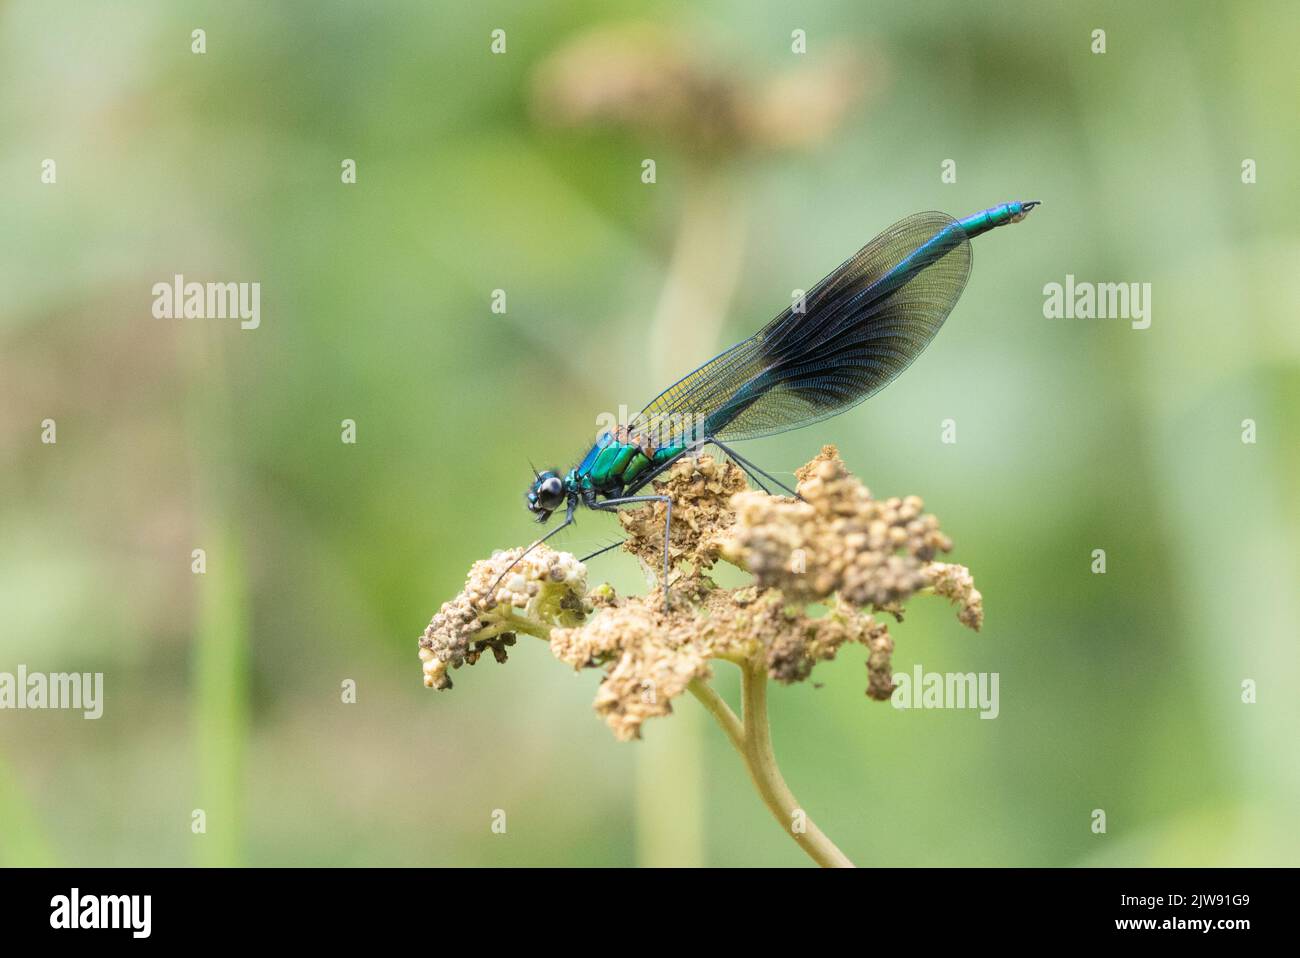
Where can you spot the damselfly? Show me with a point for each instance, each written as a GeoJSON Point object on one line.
{"type": "Point", "coordinates": [848, 338]}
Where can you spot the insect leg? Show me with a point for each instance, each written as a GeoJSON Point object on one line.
{"type": "Point", "coordinates": [611, 505]}
{"type": "Point", "coordinates": [600, 552]}
{"type": "Point", "coordinates": [747, 466]}
{"type": "Point", "coordinates": [757, 481]}
{"type": "Point", "coordinates": [568, 521]}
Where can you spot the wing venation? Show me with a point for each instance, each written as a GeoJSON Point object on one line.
{"type": "Point", "coordinates": [860, 328]}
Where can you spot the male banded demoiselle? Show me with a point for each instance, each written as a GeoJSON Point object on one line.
{"type": "Point", "coordinates": [847, 339]}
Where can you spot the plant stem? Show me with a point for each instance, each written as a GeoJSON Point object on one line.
{"type": "Point", "coordinates": [721, 711]}
{"type": "Point", "coordinates": [752, 739]}
{"type": "Point", "coordinates": [699, 285]}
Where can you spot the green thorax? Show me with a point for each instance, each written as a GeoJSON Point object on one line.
{"type": "Point", "coordinates": [616, 460]}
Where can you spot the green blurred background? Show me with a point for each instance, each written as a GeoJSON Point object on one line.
{"type": "Point", "coordinates": [522, 172]}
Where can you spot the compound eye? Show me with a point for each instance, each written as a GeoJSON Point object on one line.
{"type": "Point", "coordinates": [551, 491]}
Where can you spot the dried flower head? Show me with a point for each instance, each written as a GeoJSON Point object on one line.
{"type": "Point", "coordinates": [543, 588]}
{"type": "Point", "coordinates": [836, 546]}
{"type": "Point", "coordinates": [956, 583]}
{"type": "Point", "coordinates": [650, 79]}
{"type": "Point", "coordinates": [823, 566]}
{"type": "Point", "coordinates": [649, 655]}
{"type": "Point", "coordinates": [836, 539]}
{"type": "Point", "coordinates": [701, 490]}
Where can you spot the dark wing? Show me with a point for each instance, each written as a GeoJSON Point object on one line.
{"type": "Point", "coordinates": [861, 326]}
